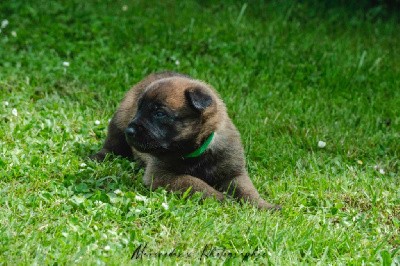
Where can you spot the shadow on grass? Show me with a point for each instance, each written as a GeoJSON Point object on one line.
{"type": "Point", "coordinates": [96, 180]}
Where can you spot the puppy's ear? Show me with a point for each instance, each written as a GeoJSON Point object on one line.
{"type": "Point", "coordinates": [198, 98]}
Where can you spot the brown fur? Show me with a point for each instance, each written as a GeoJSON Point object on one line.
{"type": "Point", "coordinates": [220, 169]}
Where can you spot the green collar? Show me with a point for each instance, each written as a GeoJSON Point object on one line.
{"type": "Point", "coordinates": [201, 149]}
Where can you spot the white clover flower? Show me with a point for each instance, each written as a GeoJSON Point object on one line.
{"type": "Point", "coordinates": [107, 248]}
{"type": "Point", "coordinates": [177, 62]}
{"type": "Point", "coordinates": [124, 8]}
{"type": "Point", "coordinates": [165, 205]}
{"type": "Point", "coordinates": [4, 23]}
{"type": "Point", "coordinates": [141, 198]}
{"type": "Point", "coordinates": [66, 64]}
{"type": "Point", "coordinates": [118, 192]}
{"type": "Point", "coordinates": [83, 165]}
{"type": "Point", "coordinates": [14, 33]}
{"type": "Point", "coordinates": [97, 122]}
{"type": "Point", "coordinates": [6, 103]}
{"type": "Point", "coordinates": [14, 112]}
{"type": "Point", "coordinates": [382, 171]}
{"type": "Point", "coordinates": [321, 144]}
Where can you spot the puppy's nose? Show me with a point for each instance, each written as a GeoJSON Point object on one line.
{"type": "Point", "coordinates": [130, 132]}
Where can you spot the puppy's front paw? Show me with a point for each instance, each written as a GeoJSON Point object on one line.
{"type": "Point", "coordinates": [263, 205]}
{"type": "Point", "coordinates": [100, 156]}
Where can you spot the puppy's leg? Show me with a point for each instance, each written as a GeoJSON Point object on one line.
{"type": "Point", "coordinates": [241, 187]}
{"type": "Point", "coordinates": [115, 143]}
{"type": "Point", "coordinates": [181, 184]}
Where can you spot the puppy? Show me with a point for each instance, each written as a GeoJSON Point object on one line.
{"type": "Point", "coordinates": [179, 128]}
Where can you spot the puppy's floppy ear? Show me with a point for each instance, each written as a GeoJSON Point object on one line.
{"type": "Point", "coordinates": [198, 98]}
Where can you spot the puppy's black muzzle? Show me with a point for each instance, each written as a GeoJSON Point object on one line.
{"type": "Point", "coordinates": [134, 130]}
{"type": "Point", "coordinates": [130, 132]}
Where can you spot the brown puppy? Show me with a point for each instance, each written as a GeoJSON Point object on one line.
{"type": "Point", "coordinates": [179, 128]}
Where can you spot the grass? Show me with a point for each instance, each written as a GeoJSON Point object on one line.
{"type": "Point", "coordinates": [291, 74]}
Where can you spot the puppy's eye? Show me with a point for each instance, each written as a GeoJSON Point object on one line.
{"type": "Point", "coordinates": [159, 114]}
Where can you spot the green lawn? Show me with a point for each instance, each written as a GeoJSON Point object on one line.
{"type": "Point", "coordinates": [291, 74]}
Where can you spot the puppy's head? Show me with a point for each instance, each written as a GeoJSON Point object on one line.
{"type": "Point", "coordinates": [174, 116]}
